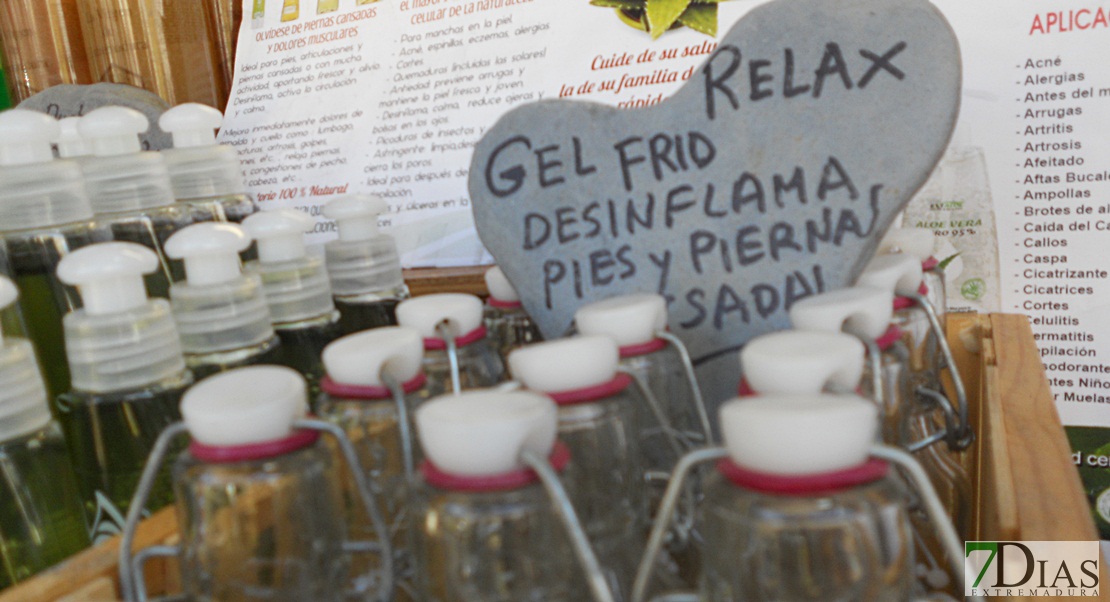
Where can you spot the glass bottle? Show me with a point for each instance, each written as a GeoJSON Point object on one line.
{"type": "Point", "coordinates": [221, 313]}
{"type": "Point", "coordinates": [796, 508]}
{"type": "Point", "coordinates": [257, 495]}
{"type": "Point", "coordinates": [41, 46]}
{"type": "Point", "coordinates": [375, 381]}
{"type": "Point", "coordinates": [597, 422]}
{"type": "Point", "coordinates": [128, 378]}
{"type": "Point", "coordinates": [956, 203]}
{"type": "Point", "coordinates": [507, 324]}
{"type": "Point", "coordinates": [486, 529]}
{"type": "Point", "coordinates": [168, 48]}
{"type": "Point", "coordinates": [129, 188]}
{"type": "Point", "coordinates": [296, 289]}
{"type": "Point", "coordinates": [41, 519]}
{"type": "Point", "coordinates": [638, 324]}
{"type": "Point", "coordinates": [867, 312]}
{"type": "Point", "coordinates": [206, 176]}
{"type": "Point", "coordinates": [457, 353]}
{"type": "Point", "coordinates": [363, 265]}
{"type": "Point", "coordinates": [44, 214]}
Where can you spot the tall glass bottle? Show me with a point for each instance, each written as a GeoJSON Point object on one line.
{"type": "Point", "coordinates": [296, 289]}
{"type": "Point", "coordinates": [256, 495]}
{"type": "Point", "coordinates": [638, 324]}
{"type": "Point", "coordinates": [486, 530]}
{"type": "Point", "coordinates": [375, 381]}
{"type": "Point", "coordinates": [597, 421]}
{"type": "Point", "coordinates": [798, 511]}
{"type": "Point", "coordinates": [956, 204]}
{"type": "Point", "coordinates": [129, 188]}
{"type": "Point", "coordinates": [167, 48]}
{"type": "Point", "coordinates": [205, 176]}
{"type": "Point", "coordinates": [363, 265]}
{"type": "Point", "coordinates": [44, 214]}
{"type": "Point", "coordinates": [221, 313]}
{"type": "Point", "coordinates": [41, 519]}
{"type": "Point", "coordinates": [866, 312]}
{"type": "Point", "coordinates": [128, 378]}
{"type": "Point", "coordinates": [507, 324]}
{"type": "Point", "coordinates": [457, 353]}
{"type": "Point", "coordinates": [41, 46]}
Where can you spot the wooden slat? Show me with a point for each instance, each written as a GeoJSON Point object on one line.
{"type": "Point", "coordinates": [425, 281]}
{"type": "Point", "coordinates": [91, 566]}
{"type": "Point", "coordinates": [1044, 491]}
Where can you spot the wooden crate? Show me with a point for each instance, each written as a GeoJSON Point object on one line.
{"type": "Point", "coordinates": [1026, 487]}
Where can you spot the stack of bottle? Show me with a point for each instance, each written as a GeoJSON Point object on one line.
{"type": "Point", "coordinates": [128, 279]}
{"type": "Point", "coordinates": [387, 456]}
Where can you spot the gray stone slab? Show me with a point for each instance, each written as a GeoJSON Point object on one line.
{"type": "Point", "coordinates": [70, 100]}
{"type": "Point", "coordinates": [769, 176]}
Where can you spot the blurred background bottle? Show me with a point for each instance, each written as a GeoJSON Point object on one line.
{"type": "Point", "coordinates": [42, 45]}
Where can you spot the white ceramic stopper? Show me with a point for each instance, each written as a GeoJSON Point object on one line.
{"type": "Point", "coordinates": [210, 251]}
{"type": "Point", "coordinates": [246, 405]}
{"type": "Point", "coordinates": [191, 124]}
{"type": "Point", "coordinates": [499, 286]}
{"type": "Point", "coordinates": [898, 273]}
{"type": "Point", "coordinates": [109, 275]}
{"type": "Point", "coordinates": [279, 232]}
{"type": "Point", "coordinates": [463, 312]}
{"type": "Point", "coordinates": [795, 361]}
{"type": "Point", "coordinates": [483, 432]}
{"type": "Point", "coordinates": [113, 131]}
{"type": "Point", "coordinates": [919, 243]}
{"type": "Point", "coordinates": [358, 359]}
{"type": "Point", "coordinates": [26, 136]}
{"type": "Point", "coordinates": [862, 311]}
{"type": "Point", "coordinates": [71, 144]}
{"type": "Point", "coordinates": [793, 435]}
{"type": "Point", "coordinates": [628, 319]}
{"type": "Point", "coordinates": [356, 216]}
{"type": "Point", "coordinates": [566, 364]}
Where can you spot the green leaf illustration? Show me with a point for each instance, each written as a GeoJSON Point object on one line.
{"type": "Point", "coordinates": [624, 4]}
{"type": "Point", "coordinates": [701, 18]}
{"type": "Point", "coordinates": [947, 260]}
{"type": "Point", "coordinates": [661, 14]}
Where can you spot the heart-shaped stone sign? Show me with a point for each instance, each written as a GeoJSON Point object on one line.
{"type": "Point", "coordinates": [770, 176]}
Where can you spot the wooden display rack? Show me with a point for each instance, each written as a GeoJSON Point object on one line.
{"type": "Point", "coordinates": [1026, 487]}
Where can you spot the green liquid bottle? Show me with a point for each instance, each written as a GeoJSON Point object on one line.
{"type": "Point", "coordinates": [206, 176]}
{"type": "Point", "coordinates": [129, 189]}
{"type": "Point", "coordinates": [128, 378]}
{"type": "Point", "coordinates": [221, 313]}
{"type": "Point", "coordinates": [363, 265]}
{"type": "Point", "coordinates": [5, 96]}
{"type": "Point", "coordinates": [297, 291]}
{"type": "Point", "coordinates": [44, 214]}
{"type": "Point", "coordinates": [41, 522]}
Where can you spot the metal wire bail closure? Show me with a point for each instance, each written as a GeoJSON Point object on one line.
{"type": "Point", "coordinates": [131, 576]}
{"type": "Point", "coordinates": [964, 435]}
{"type": "Point", "coordinates": [917, 476]}
{"type": "Point", "coordinates": [447, 333]}
{"type": "Point", "coordinates": [692, 381]}
{"type": "Point", "coordinates": [599, 587]}
{"type": "Point", "coordinates": [397, 389]}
